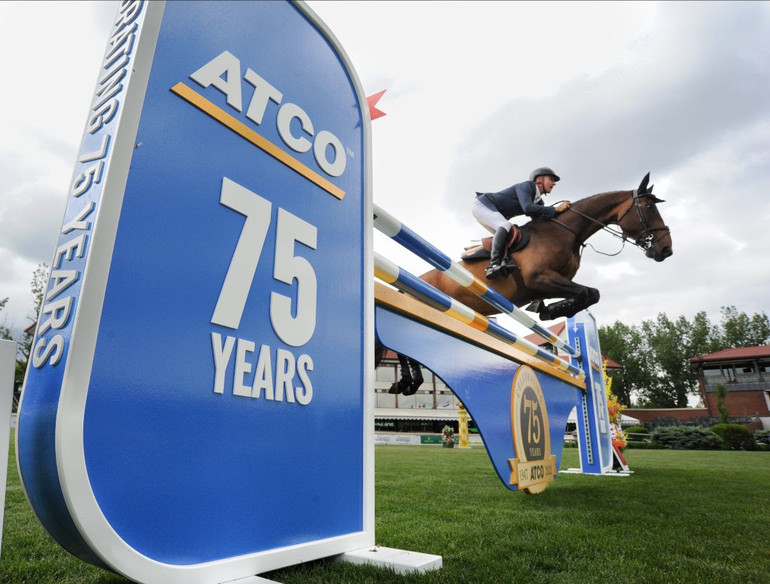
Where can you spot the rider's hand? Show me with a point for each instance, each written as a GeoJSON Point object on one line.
{"type": "Point", "coordinates": [563, 206]}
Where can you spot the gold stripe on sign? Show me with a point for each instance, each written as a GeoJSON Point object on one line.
{"type": "Point", "coordinates": [259, 141]}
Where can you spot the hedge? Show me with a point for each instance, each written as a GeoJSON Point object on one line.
{"type": "Point", "coordinates": [735, 436]}
{"type": "Point", "coordinates": [687, 438]}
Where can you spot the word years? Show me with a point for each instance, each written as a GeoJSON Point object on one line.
{"type": "Point", "coordinates": [272, 371]}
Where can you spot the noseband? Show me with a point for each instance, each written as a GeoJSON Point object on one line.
{"type": "Point", "coordinates": [648, 239]}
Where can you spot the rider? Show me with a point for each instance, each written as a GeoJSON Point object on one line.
{"type": "Point", "coordinates": [493, 210]}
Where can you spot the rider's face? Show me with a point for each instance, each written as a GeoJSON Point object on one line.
{"type": "Point", "coordinates": [548, 184]}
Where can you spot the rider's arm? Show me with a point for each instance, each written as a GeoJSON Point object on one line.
{"type": "Point", "coordinates": [526, 195]}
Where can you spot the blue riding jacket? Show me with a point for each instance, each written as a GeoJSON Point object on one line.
{"type": "Point", "coordinates": [519, 199]}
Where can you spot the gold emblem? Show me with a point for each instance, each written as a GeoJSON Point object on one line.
{"type": "Point", "coordinates": [534, 466]}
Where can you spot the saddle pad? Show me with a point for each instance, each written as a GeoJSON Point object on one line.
{"type": "Point", "coordinates": [519, 238]}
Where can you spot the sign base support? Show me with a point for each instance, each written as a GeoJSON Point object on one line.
{"type": "Point", "coordinates": [400, 561]}
{"type": "Point", "coordinates": [7, 370]}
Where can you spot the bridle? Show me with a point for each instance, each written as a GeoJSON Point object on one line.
{"type": "Point", "coordinates": [643, 242]}
{"type": "Point", "coordinates": [648, 238]}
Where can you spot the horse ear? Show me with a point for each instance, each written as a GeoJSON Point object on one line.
{"type": "Point", "coordinates": [643, 185]}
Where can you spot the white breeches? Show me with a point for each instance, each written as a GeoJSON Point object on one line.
{"type": "Point", "coordinates": [491, 220]}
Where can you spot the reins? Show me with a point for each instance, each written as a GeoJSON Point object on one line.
{"type": "Point", "coordinates": [644, 243]}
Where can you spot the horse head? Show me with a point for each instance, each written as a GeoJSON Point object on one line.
{"type": "Point", "coordinates": [642, 222]}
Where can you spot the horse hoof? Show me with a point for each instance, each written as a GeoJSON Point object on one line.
{"type": "Point", "coordinates": [413, 387]}
{"type": "Point", "coordinates": [400, 386]}
{"type": "Point", "coordinates": [535, 306]}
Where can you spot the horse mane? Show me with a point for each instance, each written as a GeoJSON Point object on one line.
{"type": "Point", "coordinates": [590, 199]}
{"type": "Point", "coordinates": [586, 201]}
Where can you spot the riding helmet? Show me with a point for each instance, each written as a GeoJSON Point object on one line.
{"type": "Point", "coordinates": [542, 172]}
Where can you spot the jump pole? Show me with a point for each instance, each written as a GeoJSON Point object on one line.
{"type": "Point", "coordinates": [594, 436]}
{"type": "Point", "coordinates": [397, 231]}
{"type": "Point", "coordinates": [389, 272]}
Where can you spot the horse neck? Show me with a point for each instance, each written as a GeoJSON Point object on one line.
{"type": "Point", "coordinates": [602, 209]}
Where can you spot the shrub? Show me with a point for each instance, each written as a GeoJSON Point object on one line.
{"type": "Point", "coordinates": [630, 433]}
{"type": "Point", "coordinates": [687, 438]}
{"type": "Point", "coordinates": [735, 436]}
{"type": "Point", "coordinates": [762, 437]}
{"type": "Point", "coordinates": [724, 414]}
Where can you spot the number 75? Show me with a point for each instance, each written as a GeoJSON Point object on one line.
{"type": "Point", "coordinates": [292, 330]}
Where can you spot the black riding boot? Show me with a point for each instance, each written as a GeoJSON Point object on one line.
{"type": "Point", "coordinates": [496, 269]}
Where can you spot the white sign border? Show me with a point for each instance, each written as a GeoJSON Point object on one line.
{"type": "Point", "coordinates": [70, 457]}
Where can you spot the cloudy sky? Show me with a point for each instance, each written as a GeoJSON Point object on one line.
{"type": "Point", "coordinates": [478, 94]}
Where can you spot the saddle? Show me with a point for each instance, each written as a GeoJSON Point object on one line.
{"type": "Point", "coordinates": [519, 239]}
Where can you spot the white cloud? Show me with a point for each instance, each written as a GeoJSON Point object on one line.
{"type": "Point", "coordinates": [479, 93]}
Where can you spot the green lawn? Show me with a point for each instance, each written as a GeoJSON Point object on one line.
{"type": "Point", "coordinates": [683, 516]}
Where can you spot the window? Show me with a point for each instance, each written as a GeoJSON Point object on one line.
{"type": "Point", "coordinates": [424, 399]}
{"type": "Point", "coordinates": [729, 373]}
{"type": "Point", "coordinates": [386, 373]}
{"type": "Point", "coordinates": [385, 399]}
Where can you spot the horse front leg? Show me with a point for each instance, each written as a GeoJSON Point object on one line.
{"type": "Point", "coordinates": [576, 296]}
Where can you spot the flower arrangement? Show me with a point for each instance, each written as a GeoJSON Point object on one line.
{"type": "Point", "coordinates": [448, 437]}
{"type": "Point", "coordinates": [614, 408]}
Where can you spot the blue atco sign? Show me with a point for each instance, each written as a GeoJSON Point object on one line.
{"type": "Point", "coordinates": [195, 408]}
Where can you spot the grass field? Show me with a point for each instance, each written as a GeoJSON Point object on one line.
{"type": "Point", "coordinates": [683, 516]}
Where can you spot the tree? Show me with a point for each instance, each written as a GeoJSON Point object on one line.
{"type": "Point", "coordinates": [741, 331]}
{"type": "Point", "coordinates": [624, 344]}
{"type": "Point", "coordinates": [5, 332]}
{"type": "Point", "coordinates": [38, 287]}
{"type": "Point", "coordinates": [724, 413]}
{"type": "Point", "coordinates": [656, 354]}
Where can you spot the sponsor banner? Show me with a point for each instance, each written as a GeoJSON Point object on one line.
{"type": "Point", "coordinates": [195, 401]}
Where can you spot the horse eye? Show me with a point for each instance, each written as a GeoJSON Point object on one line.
{"type": "Point", "coordinates": [650, 205]}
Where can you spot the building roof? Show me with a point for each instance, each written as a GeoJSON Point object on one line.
{"type": "Point", "coordinates": [442, 414]}
{"type": "Point", "coordinates": [739, 353]}
{"type": "Point", "coordinates": [556, 329]}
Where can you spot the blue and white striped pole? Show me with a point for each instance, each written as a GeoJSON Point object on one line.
{"type": "Point", "coordinates": [389, 272]}
{"type": "Point", "coordinates": [397, 231]}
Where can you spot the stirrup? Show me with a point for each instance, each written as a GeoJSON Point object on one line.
{"type": "Point", "coordinates": [509, 265]}
{"type": "Point", "coordinates": [495, 271]}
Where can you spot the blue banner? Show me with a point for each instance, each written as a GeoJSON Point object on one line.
{"type": "Point", "coordinates": [198, 369]}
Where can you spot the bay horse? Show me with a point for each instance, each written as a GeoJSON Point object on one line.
{"type": "Point", "coordinates": [545, 267]}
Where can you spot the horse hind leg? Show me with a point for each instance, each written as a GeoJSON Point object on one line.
{"type": "Point", "coordinates": [379, 353]}
{"type": "Point", "coordinates": [417, 378]}
{"type": "Point", "coordinates": [403, 384]}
